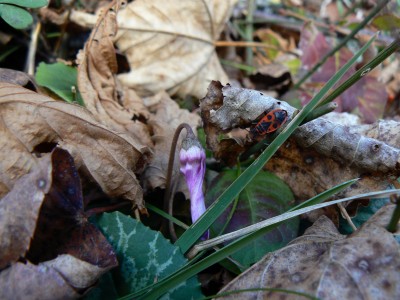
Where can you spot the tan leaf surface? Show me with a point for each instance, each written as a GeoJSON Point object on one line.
{"type": "Point", "coordinates": [115, 106]}
{"type": "Point", "coordinates": [78, 273]}
{"type": "Point", "coordinates": [19, 211]}
{"type": "Point", "coordinates": [29, 119]}
{"type": "Point", "coordinates": [170, 45]}
{"type": "Point", "coordinates": [324, 264]}
{"type": "Point", "coordinates": [23, 281]}
{"type": "Point", "coordinates": [165, 118]}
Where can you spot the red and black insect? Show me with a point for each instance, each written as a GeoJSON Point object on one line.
{"type": "Point", "coordinates": [270, 122]}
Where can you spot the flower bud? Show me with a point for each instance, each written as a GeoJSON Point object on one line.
{"type": "Point", "coordinates": [193, 165]}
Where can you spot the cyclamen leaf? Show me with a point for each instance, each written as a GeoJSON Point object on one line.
{"type": "Point", "coordinates": [144, 256]}
{"type": "Point", "coordinates": [265, 197]}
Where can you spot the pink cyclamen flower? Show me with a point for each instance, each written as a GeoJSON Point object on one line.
{"type": "Point", "coordinates": [193, 165]}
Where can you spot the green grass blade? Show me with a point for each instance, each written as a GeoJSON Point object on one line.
{"type": "Point", "coordinates": [325, 195]}
{"type": "Point", "coordinates": [167, 216]}
{"type": "Point", "coordinates": [190, 236]}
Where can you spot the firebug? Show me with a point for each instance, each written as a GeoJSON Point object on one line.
{"type": "Point", "coordinates": [270, 122]}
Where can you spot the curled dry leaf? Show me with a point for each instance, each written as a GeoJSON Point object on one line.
{"type": "Point", "coordinates": [19, 211]}
{"type": "Point", "coordinates": [62, 227]}
{"type": "Point", "coordinates": [165, 118]}
{"type": "Point", "coordinates": [349, 148]}
{"type": "Point", "coordinates": [54, 188]}
{"type": "Point", "coordinates": [170, 45]}
{"type": "Point", "coordinates": [324, 264]}
{"type": "Point", "coordinates": [78, 273]}
{"type": "Point", "coordinates": [30, 119]}
{"type": "Point", "coordinates": [115, 106]}
{"type": "Point", "coordinates": [225, 108]}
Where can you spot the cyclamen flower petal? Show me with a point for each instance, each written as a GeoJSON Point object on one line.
{"type": "Point", "coordinates": [193, 166]}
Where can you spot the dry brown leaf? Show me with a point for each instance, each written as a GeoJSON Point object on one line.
{"type": "Point", "coordinates": [308, 173]}
{"type": "Point", "coordinates": [64, 277]}
{"type": "Point", "coordinates": [29, 119]}
{"type": "Point", "coordinates": [78, 273]}
{"type": "Point", "coordinates": [324, 264]}
{"type": "Point", "coordinates": [21, 281]}
{"type": "Point", "coordinates": [19, 211]}
{"type": "Point", "coordinates": [170, 45]}
{"type": "Point", "coordinates": [63, 226]}
{"type": "Point", "coordinates": [100, 90]}
{"type": "Point", "coordinates": [227, 107]}
{"type": "Point", "coordinates": [165, 118]}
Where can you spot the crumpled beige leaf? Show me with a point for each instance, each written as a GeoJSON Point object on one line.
{"type": "Point", "coordinates": [324, 264]}
{"type": "Point", "coordinates": [165, 118]}
{"type": "Point", "coordinates": [78, 273]}
{"type": "Point", "coordinates": [29, 119]}
{"type": "Point", "coordinates": [113, 105]}
{"type": "Point", "coordinates": [19, 211]}
{"type": "Point", "coordinates": [170, 45]}
{"type": "Point", "coordinates": [34, 281]}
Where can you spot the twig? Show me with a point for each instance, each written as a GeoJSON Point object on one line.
{"type": "Point", "coordinates": [30, 64]}
{"type": "Point", "coordinates": [346, 216]}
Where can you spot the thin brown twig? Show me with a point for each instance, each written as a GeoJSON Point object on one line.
{"type": "Point", "coordinates": [168, 197]}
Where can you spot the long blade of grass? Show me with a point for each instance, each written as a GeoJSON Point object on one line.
{"type": "Point", "coordinates": [167, 216]}
{"type": "Point", "coordinates": [251, 228]}
{"type": "Point", "coordinates": [182, 275]}
{"type": "Point", "coordinates": [385, 53]}
{"type": "Point", "coordinates": [190, 236]}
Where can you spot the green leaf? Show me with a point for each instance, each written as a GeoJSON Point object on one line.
{"type": "Point", "coordinates": [264, 197]}
{"type": "Point", "coordinates": [60, 79]}
{"type": "Point", "coordinates": [15, 16]}
{"type": "Point", "coordinates": [144, 257]}
{"type": "Point", "coordinates": [26, 3]}
{"type": "Point", "coordinates": [387, 22]}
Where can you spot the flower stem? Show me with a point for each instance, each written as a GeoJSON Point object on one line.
{"type": "Point", "coordinates": [168, 198]}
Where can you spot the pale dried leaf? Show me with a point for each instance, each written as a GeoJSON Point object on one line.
{"type": "Point", "coordinates": [29, 119]}
{"type": "Point", "coordinates": [34, 281]}
{"type": "Point", "coordinates": [170, 45]}
{"type": "Point", "coordinates": [78, 273]}
{"type": "Point", "coordinates": [324, 264]}
{"type": "Point", "coordinates": [19, 211]}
